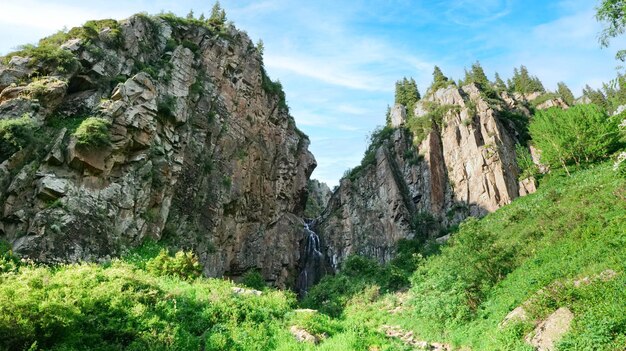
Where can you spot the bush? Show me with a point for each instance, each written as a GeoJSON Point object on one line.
{"type": "Point", "coordinates": [452, 285]}
{"type": "Point", "coordinates": [580, 135]}
{"type": "Point", "coordinates": [254, 280]}
{"type": "Point", "coordinates": [183, 265]}
{"type": "Point", "coordinates": [119, 307]}
{"type": "Point", "coordinates": [93, 132]}
{"type": "Point", "coordinates": [274, 89]}
{"type": "Point", "coordinates": [51, 57]}
{"type": "Point", "coordinates": [15, 134]}
{"type": "Point", "coordinates": [525, 162]}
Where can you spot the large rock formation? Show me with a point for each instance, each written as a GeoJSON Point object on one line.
{"type": "Point", "coordinates": [203, 154]}
{"type": "Point", "coordinates": [420, 180]}
{"type": "Point", "coordinates": [319, 194]}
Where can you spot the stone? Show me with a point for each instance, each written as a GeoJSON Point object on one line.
{"type": "Point", "coordinates": [11, 92]}
{"type": "Point", "coordinates": [302, 335]}
{"type": "Point", "coordinates": [557, 102]}
{"type": "Point", "coordinates": [517, 315]}
{"type": "Point", "coordinates": [397, 115]}
{"type": "Point", "coordinates": [242, 291]}
{"type": "Point", "coordinates": [527, 186]}
{"type": "Point", "coordinates": [551, 330]}
{"type": "Point", "coordinates": [91, 159]}
{"type": "Point", "coordinates": [56, 156]}
{"type": "Point", "coordinates": [51, 188]}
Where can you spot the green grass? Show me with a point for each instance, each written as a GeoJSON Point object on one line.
{"type": "Point", "coordinates": [573, 227]}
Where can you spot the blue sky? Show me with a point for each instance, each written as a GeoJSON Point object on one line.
{"type": "Point", "coordinates": [338, 60]}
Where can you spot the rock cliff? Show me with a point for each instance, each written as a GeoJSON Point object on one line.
{"type": "Point", "coordinates": [456, 158]}
{"type": "Point", "coordinates": [201, 151]}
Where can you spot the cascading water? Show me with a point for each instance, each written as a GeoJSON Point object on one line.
{"type": "Point", "coordinates": [311, 263]}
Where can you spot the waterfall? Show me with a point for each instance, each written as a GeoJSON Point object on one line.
{"type": "Point", "coordinates": [311, 263]}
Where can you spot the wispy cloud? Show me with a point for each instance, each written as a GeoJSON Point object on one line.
{"type": "Point", "coordinates": [477, 13]}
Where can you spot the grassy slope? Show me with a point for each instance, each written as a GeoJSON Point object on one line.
{"type": "Point", "coordinates": [571, 228]}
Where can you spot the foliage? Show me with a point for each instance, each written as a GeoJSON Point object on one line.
{"type": "Point", "coordinates": [332, 293]}
{"type": "Point", "coordinates": [615, 92]}
{"type": "Point", "coordinates": [254, 279]}
{"type": "Point", "coordinates": [407, 94]}
{"type": "Point", "coordinates": [477, 75]}
{"type": "Point", "coordinates": [218, 16]}
{"type": "Point", "coordinates": [525, 162]}
{"type": "Point", "coordinates": [183, 265]}
{"type": "Point", "coordinates": [522, 82]}
{"type": "Point", "coordinates": [378, 137]}
{"type": "Point", "coordinates": [620, 165]}
{"type": "Point", "coordinates": [579, 135]}
{"type": "Point", "coordinates": [565, 93]}
{"type": "Point", "coordinates": [595, 96]}
{"type": "Point", "coordinates": [166, 108]}
{"type": "Point", "coordinates": [8, 261]}
{"type": "Point", "coordinates": [499, 84]}
{"type": "Point", "coordinates": [493, 265]}
{"type": "Point", "coordinates": [274, 89]}
{"type": "Point", "coordinates": [93, 132]}
{"type": "Point", "coordinates": [120, 307]}
{"type": "Point", "coordinates": [47, 58]}
{"type": "Point", "coordinates": [439, 81]}
{"type": "Point", "coordinates": [612, 12]}
{"type": "Point", "coordinates": [422, 125]}
{"type": "Point", "coordinates": [15, 134]}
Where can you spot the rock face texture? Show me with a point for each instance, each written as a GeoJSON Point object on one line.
{"type": "Point", "coordinates": [203, 153]}
{"type": "Point", "coordinates": [319, 194]}
{"type": "Point", "coordinates": [463, 164]}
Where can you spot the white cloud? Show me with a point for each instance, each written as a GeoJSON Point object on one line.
{"type": "Point", "coordinates": [476, 13]}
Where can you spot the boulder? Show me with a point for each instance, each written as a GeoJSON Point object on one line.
{"type": "Point", "coordinates": [551, 330]}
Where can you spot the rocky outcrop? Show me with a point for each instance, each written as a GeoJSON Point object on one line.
{"type": "Point", "coordinates": [550, 331]}
{"type": "Point", "coordinates": [319, 194]}
{"type": "Point", "coordinates": [424, 180]}
{"type": "Point", "coordinates": [397, 115]}
{"type": "Point", "coordinates": [203, 153]}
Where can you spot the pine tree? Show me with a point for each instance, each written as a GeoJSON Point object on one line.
{"type": "Point", "coordinates": [218, 15]}
{"type": "Point", "coordinates": [190, 15]}
{"type": "Point", "coordinates": [260, 48]}
{"type": "Point", "coordinates": [202, 18]}
{"type": "Point", "coordinates": [595, 96]}
{"type": "Point", "coordinates": [499, 84]}
{"type": "Point", "coordinates": [522, 82]}
{"type": "Point", "coordinates": [407, 94]}
{"type": "Point", "coordinates": [478, 75]}
{"type": "Point", "coordinates": [439, 80]}
{"type": "Point", "coordinates": [565, 93]}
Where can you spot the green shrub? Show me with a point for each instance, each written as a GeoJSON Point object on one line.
{"type": "Point", "coordinates": [119, 307]}
{"type": "Point", "coordinates": [166, 108]}
{"type": "Point", "coordinates": [525, 162]}
{"type": "Point", "coordinates": [50, 57]}
{"type": "Point", "coordinates": [274, 89]}
{"type": "Point", "coordinates": [183, 265]}
{"type": "Point", "coordinates": [452, 285]}
{"type": "Point", "coordinates": [93, 132]}
{"type": "Point", "coordinates": [15, 134]}
{"type": "Point", "coordinates": [580, 135]}
{"type": "Point", "coordinates": [254, 280]}
{"type": "Point", "coordinates": [377, 138]}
